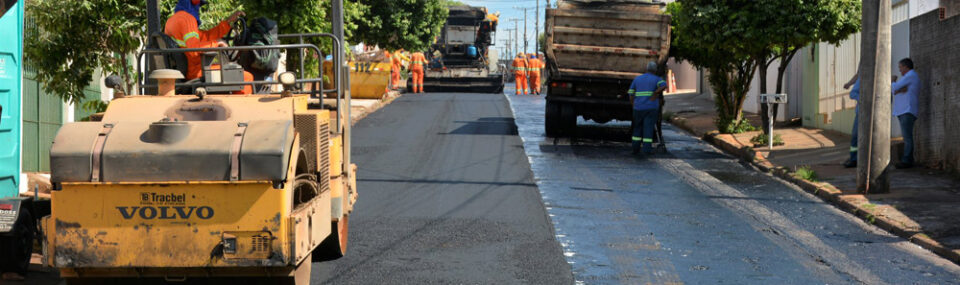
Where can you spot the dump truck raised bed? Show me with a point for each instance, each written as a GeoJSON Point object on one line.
{"type": "Point", "coordinates": [461, 59]}
{"type": "Point", "coordinates": [594, 49]}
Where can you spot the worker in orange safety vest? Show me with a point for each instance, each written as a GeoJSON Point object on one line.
{"type": "Point", "coordinates": [520, 73]}
{"type": "Point", "coordinates": [533, 73]}
{"type": "Point", "coordinates": [396, 62]}
{"type": "Point", "coordinates": [417, 61]}
{"type": "Point", "coordinates": [184, 28]}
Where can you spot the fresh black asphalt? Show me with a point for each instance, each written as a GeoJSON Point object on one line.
{"type": "Point", "coordinates": [446, 197]}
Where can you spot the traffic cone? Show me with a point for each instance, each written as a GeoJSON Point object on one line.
{"type": "Point", "coordinates": [672, 82]}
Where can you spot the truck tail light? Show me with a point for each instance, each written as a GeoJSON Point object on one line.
{"type": "Point", "coordinates": [6, 207]}
{"type": "Point", "coordinates": [560, 85]}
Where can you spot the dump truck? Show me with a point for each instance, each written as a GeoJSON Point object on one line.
{"type": "Point", "coordinates": [461, 59]}
{"type": "Point", "coordinates": [205, 187]}
{"type": "Point", "coordinates": [594, 50]}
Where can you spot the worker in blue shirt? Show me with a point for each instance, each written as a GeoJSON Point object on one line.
{"type": "Point", "coordinates": [905, 100]}
{"type": "Point", "coordinates": [645, 92]}
{"type": "Point", "coordinates": [855, 95]}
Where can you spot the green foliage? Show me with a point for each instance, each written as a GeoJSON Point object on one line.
{"type": "Point", "coordinates": [732, 126]}
{"type": "Point", "coordinates": [95, 106]}
{"type": "Point", "coordinates": [101, 34]}
{"type": "Point", "coordinates": [104, 34]}
{"type": "Point", "coordinates": [210, 15]}
{"type": "Point", "coordinates": [806, 173]}
{"type": "Point", "coordinates": [542, 39]}
{"type": "Point", "coordinates": [762, 140]}
{"type": "Point", "coordinates": [730, 39]}
{"type": "Point", "coordinates": [403, 24]}
{"type": "Point", "coordinates": [791, 25]}
{"type": "Point", "coordinates": [715, 35]}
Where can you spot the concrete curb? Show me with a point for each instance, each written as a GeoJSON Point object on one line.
{"type": "Point", "coordinates": [825, 191]}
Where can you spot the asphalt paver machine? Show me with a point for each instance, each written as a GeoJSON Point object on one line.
{"type": "Point", "coordinates": [206, 188]}
{"type": "Point", "coordinates": [461, 60]}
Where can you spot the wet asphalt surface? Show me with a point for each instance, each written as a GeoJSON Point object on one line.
{"type": "Point", "coordinates": [697, 216]}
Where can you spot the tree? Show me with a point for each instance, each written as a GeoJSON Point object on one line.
{"type": "Point", "coordinates": [542, 39]}
{"type": "Point", "coordinates": [104, 34]}
{"type": "Point", "coordinates": [406, 24]}
{"type": "Point", "coordinates": [100, 35]}
{"type": "Point", "coordinates": [732, 39]}
{"type": "Point", "coordinates": [716, 36]}
{"type": "Point", "coordinates": [791, 25]}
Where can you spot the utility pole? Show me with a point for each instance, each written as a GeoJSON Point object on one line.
{"type": "Point", "coordinates": [536, 29]}
{"type": "Point", "coordinates": [874, 152]}
{"type": "Point", "coordinates": [525, 38]}
{"type": "Point", "coordinates": [516, 32]}
{"type": "Point", "coordinates": [509, 45]}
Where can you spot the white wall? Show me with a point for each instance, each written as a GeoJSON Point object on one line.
{"type": "Point", "coordinates": [687, 76]}
{"type": "Point", "coordinates": [792, 85]}
{"type": "Point", "coordinates": [920, 7]}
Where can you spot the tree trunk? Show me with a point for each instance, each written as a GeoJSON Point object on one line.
{"type": "Point", "coordinates": [764, 110]}
{"type": "Point", "coordinates": [128, 80]}
{"type": "Point", "coordinates": [784, 62]}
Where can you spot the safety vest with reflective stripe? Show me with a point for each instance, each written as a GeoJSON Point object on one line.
{"type": "Point", "coordinates": [182, 27]}
{"type": "Point", "coordinates": [417, 61]}
{"type": "Point", "coordinates": [519, 66]}
{"type": "Point", "coordinates": [535, 65]}
{"type": "Point", "coordinates": [642, 89]}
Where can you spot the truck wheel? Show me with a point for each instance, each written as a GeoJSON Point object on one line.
{"type": "Point", "coordinates": [552, 119]}
{"type": "Point", "coordinates": [335, 245]}
{"type": "Point", "coordinates": [19, 245]}
{"type": "Point", "coordinates": [568, 118]}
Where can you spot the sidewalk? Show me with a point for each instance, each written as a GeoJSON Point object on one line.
{"type": "Point", "coordinates": [922, 205]}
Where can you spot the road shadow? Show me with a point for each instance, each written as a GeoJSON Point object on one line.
{"type": "Point", "coordinates": [498, 126]}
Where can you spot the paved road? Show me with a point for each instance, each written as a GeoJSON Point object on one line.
{"type": "Point", "coordinates": [447, 197]}
{"type": "Point", "coordinates": [456, 189]}
{"type": "Point", "coordinates": [697, 216]}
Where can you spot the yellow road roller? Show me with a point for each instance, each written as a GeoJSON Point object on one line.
{"type": "Point", "coordinates": [187, 185]}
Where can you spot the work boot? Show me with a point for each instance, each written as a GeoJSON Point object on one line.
{"type": "Point", "coordinates": [850, 163]}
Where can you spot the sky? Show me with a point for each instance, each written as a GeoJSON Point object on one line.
{"type": "Point", "coordinates": [508, 10]}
